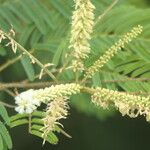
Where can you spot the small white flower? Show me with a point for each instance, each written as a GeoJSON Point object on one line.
{"type": "Point", "coordinates": [26, 103]}
{"type": "Point", "coordinates": [29, 100]}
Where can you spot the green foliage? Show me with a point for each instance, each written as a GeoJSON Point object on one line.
{"type": "Point", "coordinates": [134, 60]}
{"type": "Point", "coordinates": [35, 125]}
{"type": "Point", "coordinates": [4, 114]}
{"type": "Point", "coordinates": [5, 139]}
{"type": "Point", "coordinates": [43, 26]}
{"type": "Point", "coordinates": [46, 31]}
{"type": "Point", "coordinates": [87, 107]}
{"type": "Point", "coordinates": [5, 135]}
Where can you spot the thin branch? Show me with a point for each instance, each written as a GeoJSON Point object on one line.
{"type": "Point", "coordinates": [30, 121]}
{"type": "Point", "coordinates": [91, 91]}
{"type": "Point", "coordinates": [9, 62]}
{"type": "Point", "coordinates": [36, 77]}
{"type": "Point", "coordinates": [141, 93]}
{"type": "Point", "coordinates": [106, 11]}
{"type": "Point", "coordinates": [9, 92]}
{"type": "Point", "coordinates": [64, 133]}
{"type": "Point", "coordinates": [126, 80]}
{"type": "Point", "coordinates": [21, 48]}
{"type": "Point", "coordinates": [25, 85]}
{"type": "Point", "coordinates": [7, 105]}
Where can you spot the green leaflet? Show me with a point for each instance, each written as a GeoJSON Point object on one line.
{"type": "Point", "coordinates": [52, 139]}
{"type": "Point", "coordinates": [5, 135]}
{"type": "Point", "coordinates": [33, 16]}
{"type": "Point", "coordinates": [36, 125]}
{"type": "Point", "coordinates": [59, 51]}
{"type": "Point", "coordinates": [19, 122]}
{"type": "Point", "coordinates": [4, 114]}
{"type": "Point", "coordinates": [18, 116]}
{"type": "Point", "coordinates": [29, 69]}
{"type": "Point", "coordinates": [1, 143]}
{"type": "Point", "coordinates": [58, 6]}
{"type": "Point", "coordinates": [25, 35]}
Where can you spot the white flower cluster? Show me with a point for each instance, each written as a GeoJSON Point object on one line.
{"type": "Point", "coordinates": [26, 102]}
{"type": "Point", "coordinates": [82, 27]}
{"type": "Point", "coordinates": [29, 100]}
{"type": "Point", "coordinates": [127, 104]}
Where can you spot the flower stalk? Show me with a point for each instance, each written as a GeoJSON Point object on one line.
{"type": "Point", "coordinates": [128, 37]}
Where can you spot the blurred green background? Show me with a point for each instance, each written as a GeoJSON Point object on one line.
{"type": "Point", "coordinates": [89, 133]}
{"type": "Point", "coordinates": [43, 25]}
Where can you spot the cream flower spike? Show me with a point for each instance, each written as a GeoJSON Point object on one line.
{"type": "Point", "coordinates": [50, 93]}
{"type": "Point", "coordinates": [81, 30]}
{"type": "Point", "coordinates": [127, 104]}
{"type": "Point", "coordinates": [56, 110]}
{"type": "Point", "coordinates": [128, 37]}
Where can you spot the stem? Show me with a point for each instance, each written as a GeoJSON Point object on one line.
{"type": "Point", "coordinates": [126, 80]}
{"type": "Point", "coordinates": [88, 90]}
{"type": "Point", "coordinates": [32, 57]}
{"type": "Point", "coordinates": [38, 62]}
{"type": "Point", "coordinates": [25, 85]}
{"type": "Point", "coordinates": [91, 91]}
{"type": "Point", "coordinates": [83, 80]}
{"type": "Point", "coordinates": [30, 117]}
{"type": "Point", "coordinates": [9, 62]}
{"type": "Point", "coordinates": [7, 105]}
{"type": "Point", "coordinates": [76, 77]}
{"type": "Point", "coordinates": [64, 133]}
{"type": "Point", "coordinates": [100, 17]}
{"type": "Point", "coordinates": [9, 92]}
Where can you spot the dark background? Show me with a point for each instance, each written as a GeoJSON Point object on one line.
{"type": "Point", "coordinates": [88, 133]}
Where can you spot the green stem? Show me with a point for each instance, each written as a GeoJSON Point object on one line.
{"type": "Point", "coordinates": [32, 57]}
{"type": "Point", "coordinates": [30, 120]}
{"type": "Point", "coordinates": [7, 105]}
{"type": "Point", "coordinates": [100, 17]}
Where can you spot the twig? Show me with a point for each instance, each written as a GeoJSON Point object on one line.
{"type": "Point", "coordinates": [64, 133]}
{"type": "Point", "coordinates": [30, 121]}
{"type": "Point", "coordinates": [126, 80]}
{"type": "Point", "coordinates": [21, 48]}
{"type": "Point", "coordinates": [9, 92]}
{"type": "Point", "coordinates": [46, 84]}
{"type": "Point", "coordinates": [7, 105]}
{"type": "Point", "coordinates": [36, 77]}
{"type": "Point", "coordinates": [91, 91]}
{"type": "Point", "coordinates": [25, 85]}
{"type": "Point", "coordinates": [106, 11]}
{"type": "Point", "coordinates": [9, 62]}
